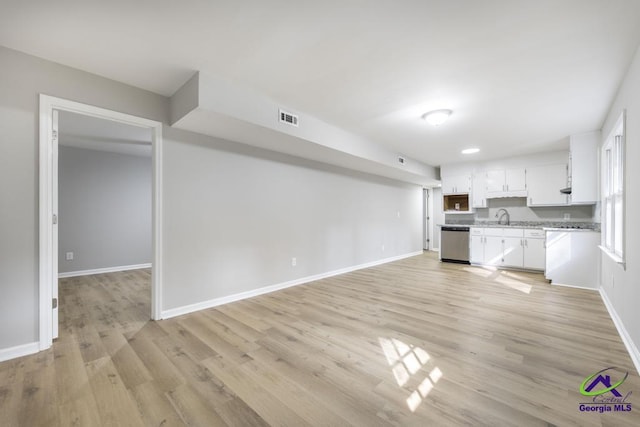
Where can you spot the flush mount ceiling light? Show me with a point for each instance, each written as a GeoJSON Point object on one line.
{"type": "Point", "coordinates": [436, 117]}
{"type": "Point", "coordinates": [470, 150]}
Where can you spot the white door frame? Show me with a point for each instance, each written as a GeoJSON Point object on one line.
{"type": "Point", "coordinates": [48, 270]}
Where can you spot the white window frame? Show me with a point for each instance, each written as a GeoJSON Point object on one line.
{"type": "Point", "coordinates": [613, 192]}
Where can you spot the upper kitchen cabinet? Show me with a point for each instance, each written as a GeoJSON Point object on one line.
{"type": "Point", "coordinates": [479, 190]}
{"type": "Point", "coordinates": [544, 184]}
{"type": "Point", "coordinates": [456, 184]}
{"type": "Point", "coordinates": [506, 183]}
{"type": "Point", "coordinates": [584, 168]}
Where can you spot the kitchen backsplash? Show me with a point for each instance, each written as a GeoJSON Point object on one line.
{"type": "Point", "coordinates": [519, 211]}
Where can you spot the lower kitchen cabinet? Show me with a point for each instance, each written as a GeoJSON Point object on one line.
{"type": "Point", "coordinates": [476, 248]}
{"type": "Point", "coordinates": [507, 247]}
{"type": "Point", "coordinates": [493, 250]}
{"type": "Point", "coordinates": [573, 258]}
{"type": "Point", "coordinates": [485, 248]}
{"type": "Point", "coordinates": [534, 249]}
{"type": "Point", "coordinates": [513, 252]}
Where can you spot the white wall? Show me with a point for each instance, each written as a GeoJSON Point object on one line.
{"type": "Point", "coordinates": [104, 209]}
{"type": "Point", "coordinates": [235, 216]}
{"type": "Point", "coordinates": [622, 287]}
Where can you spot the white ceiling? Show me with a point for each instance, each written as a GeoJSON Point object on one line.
{"type": "Point", "coordinates": [520, 76]}
{"type": "Point", "coordinates": [80, 131]}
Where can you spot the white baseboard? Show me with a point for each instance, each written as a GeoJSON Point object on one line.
{"type": "Point", "coordinates": [19, 351]}
{"type": "Point", "coordinates": [626, 338]}
{"type": "Point", "coordinates": [573, 286]}
{"type": "Point", "coordinates": [166, 314]}
{"type": "Point", "coordinates": [103, 270]}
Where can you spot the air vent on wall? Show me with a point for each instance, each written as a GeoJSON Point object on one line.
{"type": "Point", "coordinates": [288, 118]}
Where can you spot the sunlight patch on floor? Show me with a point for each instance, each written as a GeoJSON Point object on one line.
{"type": "Point", "coordinates": [405, 361]}
{"type": "Point", "coordinates": [506, 278]}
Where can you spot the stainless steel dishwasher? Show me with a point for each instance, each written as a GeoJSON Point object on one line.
{"type": "Point", "coordinates": [454, 244]}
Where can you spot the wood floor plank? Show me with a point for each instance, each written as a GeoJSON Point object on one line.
{"type": "Point", "coordinates": [114, 403]}
{"type": "Point", "coordinates": [265, 404]}
{"type": "Point", "coordinates": [193, 409]}
{"type": "Point", "coordinates": [154, 406]}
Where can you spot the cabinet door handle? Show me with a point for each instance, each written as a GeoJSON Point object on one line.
{"type": "Point", "coordinates": [526, 243]}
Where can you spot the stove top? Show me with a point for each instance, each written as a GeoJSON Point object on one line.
{"type": "Point", "coordinates": [571, 226]}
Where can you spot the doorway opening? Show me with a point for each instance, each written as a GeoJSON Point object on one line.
{"type": "Point", "coordinates": [50, 110]}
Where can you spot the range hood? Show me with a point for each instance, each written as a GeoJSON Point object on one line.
{"type": "Point", "coordinates": [565, 190]}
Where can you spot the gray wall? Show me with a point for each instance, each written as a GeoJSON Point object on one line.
{"type": "Point", "coordinates": [621, 286]}
{"type": "Point", "coordinates": [104, 206]}
{"type": "Point", "coordinates": [236, 215]}
{"type": "Point", "coordinates": [232, 219]}
{"type": "Point", "coordinates": [22, 79]}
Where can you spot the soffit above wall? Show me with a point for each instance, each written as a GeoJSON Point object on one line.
{"type": "Point", "coordinates": [211, 106]}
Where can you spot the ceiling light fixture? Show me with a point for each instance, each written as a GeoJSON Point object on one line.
{"type": "Point", "coordinates": [470, 150]}
{"type": "Point", "coordinates": [436, 117]}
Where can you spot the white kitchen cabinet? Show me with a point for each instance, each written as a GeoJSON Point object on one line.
{"type": "Point", "coordinates": [584, 168]}
{"type": "Point", "coordinates": [479, 190]}
{"type": "Point", "coordinates": [573, 258]}
{"type": "Point", "coordinates": [516, 179]}
{"type": "Point", "coordinates": [507, 247]}
{"type": "Point", "coordinates": [486, 246]}
{"type": "Point", "coordinates": [495, 181]}
{"type": "Point", "coordinates": [507, 183]}
{"type": "Point", "coordinates": [456, 184]}
{"type": "Point", "coordinates": [534, 249]}
{"type": "Point", "coordinates": [534, 254]}
{"type": "Point", "coordinates": [544, 184]}
{"type": "Point", "coordinates": [512, 247]}
{"type": "Point", "coordinates": [476, 248]}
{"type": "Point", "coordinates": [493, 250]}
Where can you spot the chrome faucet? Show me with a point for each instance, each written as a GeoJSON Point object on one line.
{"type": "Point", "coordinates": [505, 213]}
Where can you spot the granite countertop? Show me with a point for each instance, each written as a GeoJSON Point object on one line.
{"type": "Point", "coordinates": [547, 226]}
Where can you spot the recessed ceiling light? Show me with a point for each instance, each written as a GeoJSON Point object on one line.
{"type": "Point", "coordinates": [436, 117]}
{"type": "Point", "coordinates": [470, 150]}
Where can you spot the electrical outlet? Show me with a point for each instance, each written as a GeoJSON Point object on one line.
{"type": "Point", "coordinates": [382, 248]}
{"type": "Point", "coordinates": [567, 216]}
{"type": "Point", "coordinates": [294, 262]}
{"type": "Point", "coordinates": [69, 256]}
{"type": "Point", "coordinates": [398, 214]}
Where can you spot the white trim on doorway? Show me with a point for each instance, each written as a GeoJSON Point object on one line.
{"type": "Point", "coordinates": [48, 163]}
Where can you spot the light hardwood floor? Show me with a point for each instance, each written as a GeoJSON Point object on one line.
{"type": "Point", "coordinates": [413, 342]}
